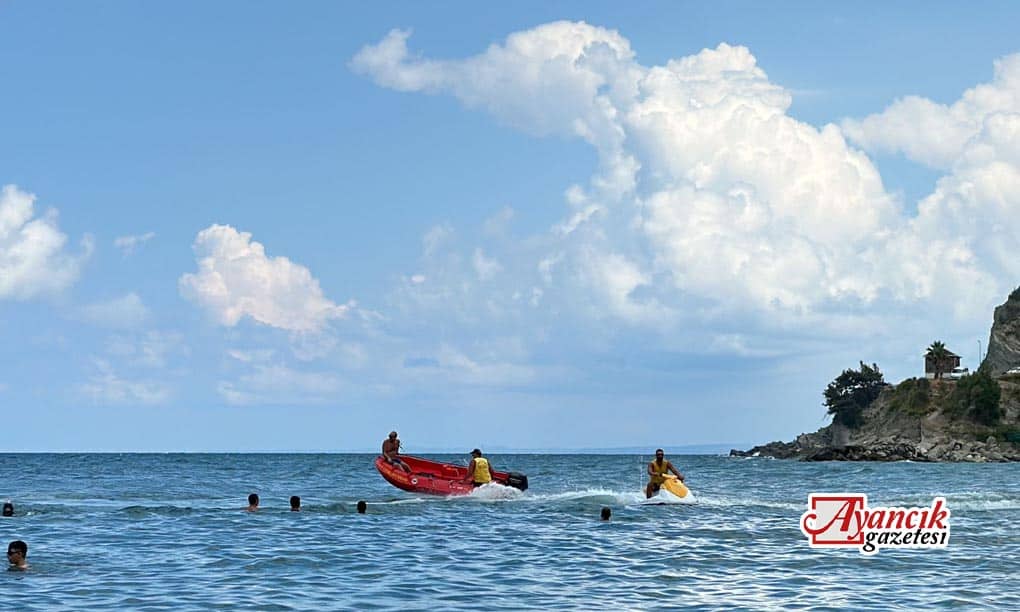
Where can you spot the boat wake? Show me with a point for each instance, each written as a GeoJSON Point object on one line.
{"type": "Point", "coordinates": [494, 491]}
{"type": "Point", "coordinates": [664, 497]}
{"type": "Point", "coordinates": [610, 497]}
{"type": "Point", "coordinates": [592, 496]}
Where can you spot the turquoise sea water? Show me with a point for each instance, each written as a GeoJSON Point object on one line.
{"type": "Point", "coordinates": [160, 532]}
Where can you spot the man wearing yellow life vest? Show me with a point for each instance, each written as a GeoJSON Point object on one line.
{"type": "Point", "coordinates": [657, 471]}
{"type": "Point", "coordinates": [479, 472]}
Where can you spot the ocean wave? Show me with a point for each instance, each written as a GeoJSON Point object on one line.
{"type": "Point", "coordinates": [397, 502]}
{"type": "Point", "coordinates": [593, 496]}
{"type": "Point", "coordinates": [965, 500]}
{"type": "Point", "coordinates": [995, 504]}
{"type": "Point", "coordinates": [494, 491]}
{"type": "Point", "coordinates": [972, 500]}
{"type": "Point", "coordinates": [143, 511]}
{"type": "Point", "coordinates": [609, 497]}
{"type": "Point", "coordinates": [727, 501]}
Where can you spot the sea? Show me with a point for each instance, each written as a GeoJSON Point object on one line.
{"type": "Point", "coordinates": [168, 532]}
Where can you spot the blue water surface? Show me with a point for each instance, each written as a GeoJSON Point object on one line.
{"type": "Point", "coordinates": [167, 531]}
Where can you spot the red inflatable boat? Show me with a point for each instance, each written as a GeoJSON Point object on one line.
{"type": "Point", "coordinates": [439, 478]}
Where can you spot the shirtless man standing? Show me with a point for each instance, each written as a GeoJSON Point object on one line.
{"type": "Point", "coordinates": [391, 451]}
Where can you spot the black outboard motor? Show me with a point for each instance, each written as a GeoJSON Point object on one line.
{"type": "Point", "coordinates": [517, 481]}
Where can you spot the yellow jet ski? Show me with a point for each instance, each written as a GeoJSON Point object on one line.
{"type": "Point", "coordinates": [675, 486]}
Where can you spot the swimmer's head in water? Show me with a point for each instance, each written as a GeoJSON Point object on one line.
{"type": "Point", "coordinates": [16, 552]}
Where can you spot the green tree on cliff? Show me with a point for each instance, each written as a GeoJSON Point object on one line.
{"type": "Point", "coordinates": [977, 396]}
{"type": "Point", "coordinates": [939, 356]}
{"type": "Point", "coordinates": [852, 392]}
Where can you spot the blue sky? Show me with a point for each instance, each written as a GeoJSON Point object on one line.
{"type": "Point", "coordinates": [260, 226]}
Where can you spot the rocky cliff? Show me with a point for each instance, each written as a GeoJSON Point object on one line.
{"type": "Point", "coordinates": [894, 431]}
{"type": "Point", "coordinates": [1004, 339]}
{"type": "Point", "coordinates": [921, 420]}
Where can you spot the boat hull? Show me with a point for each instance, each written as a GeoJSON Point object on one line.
{"type": "Point", "coordinates": [435, 478]}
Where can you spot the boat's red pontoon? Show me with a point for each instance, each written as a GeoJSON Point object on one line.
{"type": "Point", "coordinates": [439, 478]}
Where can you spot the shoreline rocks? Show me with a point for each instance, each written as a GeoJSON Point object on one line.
{"type": "Point", "coordinates": [966, 452]}
{"type": "Point", "coordinates": [932, 449]}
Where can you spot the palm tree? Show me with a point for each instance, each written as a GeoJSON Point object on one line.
{"type": "Point", "coordinates": [939, 355]}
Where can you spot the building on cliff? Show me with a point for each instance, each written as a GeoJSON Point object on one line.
{"type": "Point", "coordinates": [950, 363]}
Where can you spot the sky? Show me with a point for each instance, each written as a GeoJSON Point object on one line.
{"type": "Point", "coordinates": [267, 226]}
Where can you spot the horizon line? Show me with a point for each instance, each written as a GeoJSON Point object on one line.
{"type": "Point", "coordinates": [684, 449]}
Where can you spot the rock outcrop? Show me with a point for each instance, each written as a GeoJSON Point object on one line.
{"type": "Point", "coordinates": [1004, 339]}
{"type": "Point", "coordinates": [890, 433]}
{"type": "Point", "coordinates": [897, 429]}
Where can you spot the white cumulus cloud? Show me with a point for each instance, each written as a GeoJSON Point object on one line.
{"type": "Point", "coordinates": [236, 279]}
{"type": "Point", "coordinates": [33, 259]}
{"type": "Point", "coordinates": [937, 134]}
{"type": "Point", "coordinates": [708, 193]}
{"type": "Point", "coordinates": [969, 226]}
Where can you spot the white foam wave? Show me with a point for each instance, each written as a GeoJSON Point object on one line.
{"type": "Point", "coordinates": [603, 496]}
{"type": "Point", "coordinates": [609, 496]}
{"type": "Point", "coordinates": [665, 497]}
{"type": "Point", "coordinates": [576, 495]}
{"type": "Point", "coordinates": [991, 504]}
{"type": "Point", "coordinates": [957, 501]}
{"type": "Point", "coordinates": [395, 502]}
{"type": "Point", "coordinates": [966, 500]}
{"type": "Point", "coordinates": [981, 500]}
{"type": "Point", "coordinates": [494, 491]}
{"type": "Point", "coordinates": [723, 501]}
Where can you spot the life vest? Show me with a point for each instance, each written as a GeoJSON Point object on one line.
{"type": "Point", "coordinates": [659, 476]}
{"type": "Point", "coordinates": [482, 474]}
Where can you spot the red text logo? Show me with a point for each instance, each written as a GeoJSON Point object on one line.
{"type": "Point", "coordinates": [846, 520]}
